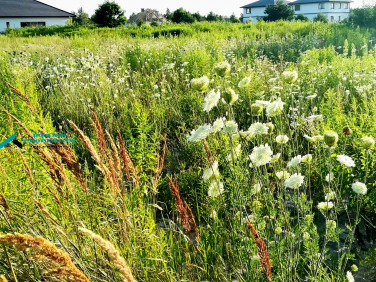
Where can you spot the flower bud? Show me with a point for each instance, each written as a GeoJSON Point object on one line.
{"type": "Point", "coordinates": [289, 76]}
{"type": "Point", "coordinates": [257, 109]}
{"type": "Point", "coordinates": [278, 230]}
{"type": "Point", "coordinates": [200, 84]}
{"type": "Point", "coordinates": [331, 138]}
{"type": "Point", "coordinates": [229, 96]}
{"type": "Point", "coordinates": [347, 130]}
{"type": "Point", "coordinates": [354, 268]}
{"type": "Point", "coordinates": [270, 127]}
{"type": "Point", "coordinates": [367, 142]}
{"type": "Point", "coordinates": [222, 68]}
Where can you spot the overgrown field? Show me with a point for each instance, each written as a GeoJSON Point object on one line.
{"type": "Point", "coordinates": [210, 152]}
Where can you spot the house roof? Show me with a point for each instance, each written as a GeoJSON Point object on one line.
{"type": "Point", "coordinates": [29, 8]}
{"type": "Point", "coordinates": [260, 3]}
{"type": "Point", "coordinates": [317, 1]}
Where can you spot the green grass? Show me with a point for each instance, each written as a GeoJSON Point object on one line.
{"type": "Point", "coordinates": [137, 81]}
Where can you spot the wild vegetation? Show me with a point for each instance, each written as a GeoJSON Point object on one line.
{"type": "Point", "coordinates": [203, 152]}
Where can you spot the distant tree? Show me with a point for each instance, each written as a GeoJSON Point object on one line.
{"type": "Point", "coordinates": [211, 17]}
{"type": "Point", "coordinates": [365, 17]}
{"type": "Point", "coordinates": [81, 18]}
{"type": "Point", "coordinates": [302, 18]}
{"type": "Point", "coordinates": [198, 17]}
{"type": "Point", "coordinates": [241, 17]}
{"type": "Point", "coordinates": [234, 19]}
{"type": "Point", "coordinates": [278, 11]}
{"type": "Point", "coordinates": [168, 15]}
{"type": "Point", "coordinates": [320, 18]}
{"type": "Point", "coordinates": [109, 14]}
{"type": "Point", "coordinates": [182, 16]}
{"type": "Point", "coordinates": [154, 23]}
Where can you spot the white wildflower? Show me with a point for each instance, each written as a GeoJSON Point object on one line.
{"type": "Point", "coordinates": [261, 155]}
{"type": "Point", "coordinates": [282, 175]}
{"type": "Point", "coordinates": [211, 171]}
{"type": "Point", "coordinates": [244, 83]}
{"type": "Point", "coordinates": [274, 108]}
{"type": "Point", "coordinates": [233, 156]}
{"type": "Point", "coordinates": [307, 158]}
{"type": "Point", "coordinates": [359, 188]}
{"type": "Point", "coordinates": [329, 177]}
{"type": "Point", "coordinates": [325, 205]}
{"type": "Point", "coordinates": [275, 158]}
{"type": "Point", "coordinates": [330, 196]}
{"type": "Point", "coordinates": [201, 133]}
{"type": "Point", "coordinates": [281, 139]}
{"type": "Point", "coordinates": [294, 181]}
{"type": "Point", "coordinates": [346, 160]}
{"type": "Point", "coordinates": [350, 277]}
{"type": "Point", "coordinates": [258, 128]}
{"type": "Point", "coordinates": [294, 161]}
{"type": "Point", "coordinates": [218, 125]}
{"type": "Point", "coordinates": [231, 127]}
{"type": "Point", "coordinates": [215, 189]}
{"type": "Point", "coordinates": [211, 100]}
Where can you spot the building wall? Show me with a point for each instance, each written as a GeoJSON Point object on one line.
{"type": "Point", "coordinates": [255, 12]}
{"type": "Point", "coordinates": [311, 10]}
{"type": "Point", "coordinates": [16, 22]}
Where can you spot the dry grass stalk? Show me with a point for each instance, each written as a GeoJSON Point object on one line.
{"type": "Point", "coordinates": [101, 166]}
{"type": "Point", "coordinates": [19, 122]}
{"type": "Point", "coordinates": [27, 168]}
{"type": "Point", "coordinates": [58, 262]}
{"type": "Point", "coordinates": [45, 211]}
{"type": "Point", "coordinates": [159, 165]}
{"type": "Point", "coordinates": [128, 163]}
{"type": "Point", "coordinates": [4, 203]}
{"type": "Point", "coordinates": [114, 161]}
{"type": "Point", "coordinates": [112, 253]}
{"type": "Point", "coordinates": [262, 252]}
{"type": "Point", "coordinates": [23, 97]}
{"type": "Point", "coordinates": [100, 135]}
{"type": "Point", "coordinates": [185, 213]}
{"type": "Point", "coordinates": [3, 278]}
{"type": "Point", "coordinates": [208, 153]}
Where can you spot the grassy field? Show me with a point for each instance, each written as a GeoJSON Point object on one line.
{"type": "Point", "coordinates": [203, 152]}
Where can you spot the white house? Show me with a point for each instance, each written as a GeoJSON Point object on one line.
{"type": "Point", "coordinates": [254, 10]}
{"type": "Point", "coordinates": [334, 10]}
{"type": "Point", "coordinates": [23, 13]}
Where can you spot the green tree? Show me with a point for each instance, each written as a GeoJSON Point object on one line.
{"type": "Point", "coordinates": [278, 11]}
{"type": "Point", "coordinates": [81, 18]}
{"type": "Point", "coordinates": [234, 19]}
{"type": "Point", "coordinates": [211, 17]}
{"type": "Point", "coordinates": [363, 17]}
{"type": "Point", "coordinates": [302, 18]}
{"type": "Point", "coordinates": [182, 16]}
{"type": "Point", "coordinates": [320, 18]}
{"type": "Point", "coordinates": [109, 14]}
{"type": "Point", "coordinates": [197, 16]}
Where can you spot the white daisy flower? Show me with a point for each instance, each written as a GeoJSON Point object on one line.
{"type": "Point", "coordinates": [294, 161]}
{"type": "Point", "coordinates": [281, 139]}
{"type": "Point", "coordinates": [359, 188]}
{"type": "Point", "coordinates": [211, 100]}
{"type": "Point", "coordinates": [346, 160]}
{"type": "Point", "coordinates": [261, 155]}
{"type": "Point", "coordinates": [201, 133]}
{"type": "Point", "coordinates": [294, 181]}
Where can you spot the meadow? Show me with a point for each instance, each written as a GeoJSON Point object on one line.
{"type": "Point", "coordinates": [203, 152]}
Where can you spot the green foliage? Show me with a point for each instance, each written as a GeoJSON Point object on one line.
{"type": "Point", "coordinates": [301, 17]}
{"type": "Point", "coordinates": [109, 14]}
{"type": "Point", "coordinates": [365, 17]}
{"type": "Point", "coordinates": [182, 16]}
{"type": "Point", "coordinates": [320, 18]}
{"type": "Point", "coordinates": [278, 11]}
{"type": "Point", "coordinates": [81, 18]}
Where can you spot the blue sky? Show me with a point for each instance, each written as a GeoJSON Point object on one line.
{"type": "Point", "coordinates": [222, 7]}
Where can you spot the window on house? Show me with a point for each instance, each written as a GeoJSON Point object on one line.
{"type": "Point", "coordinates": [346, 5]}
{"type": "Point", "coordinates": [339, 5]}
{"type": "Point", "coordinates": [332, 18]}
{"type": "Point", "coordinates": [8, 24]}
{"type": "Point", "coordinates": [339, 18]}
{"type": "Point", "coordinates": [32, 24]}
{"type": "Point", "coordinates": [297, 7]}
{"type": "Point", "coordinates": [331, 5]}
{"type": "Point", "coordinates": [248, 11]}
{"type": "Point", "coordinates": [321, 6]}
